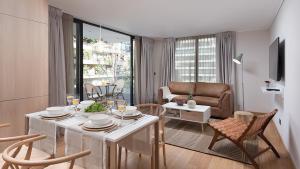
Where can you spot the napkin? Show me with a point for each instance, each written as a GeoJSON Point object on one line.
{"type": "Point", "coordinates": [77, 140]}
{"type": "Point", "coordinates": [43, 127]}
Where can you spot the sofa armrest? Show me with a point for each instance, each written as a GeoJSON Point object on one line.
{"type": "Point", "coordinates": [160, 99]}
{"type": "Point", "coordinates": [226, 103]}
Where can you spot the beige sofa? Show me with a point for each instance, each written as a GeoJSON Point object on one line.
{"type": "Point", "coordinates": [217, 95]}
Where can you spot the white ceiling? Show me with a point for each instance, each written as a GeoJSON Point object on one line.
{"type": "Point", "coordinates": [174, 18]}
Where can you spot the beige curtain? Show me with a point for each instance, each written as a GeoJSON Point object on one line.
{"type": "Point", "coordinates": [69, 53]}
{"type": "Point", "coordinates": [137, 69]}
{"type": "Point", "coordinates": [57, 75]}
{"type": "Point", "coordinates": [226, 50]}
{"type": "Point", "coordinates": [144, 75]}
{"type": "Point", "coordinates": [147, 74]}
{"type": "Point", "coordinates": [167, 63]}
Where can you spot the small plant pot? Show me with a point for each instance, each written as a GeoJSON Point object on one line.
{"type": "Point", "coordinates": [191, 104]}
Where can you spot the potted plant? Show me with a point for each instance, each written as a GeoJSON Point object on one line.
{"type": "Point", "coordinates": [191, 103]}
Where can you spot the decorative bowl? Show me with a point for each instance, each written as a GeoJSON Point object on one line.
{"type": "Point", "coordinates": [180, 102]}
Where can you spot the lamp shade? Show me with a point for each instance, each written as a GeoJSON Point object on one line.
{"type": "Point", "coordinates": [238, 59]}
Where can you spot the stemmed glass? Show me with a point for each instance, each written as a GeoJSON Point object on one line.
{"type": "Point", "coordinates": [75, 102]}
{"type": "Point", "coordinates": [121, 107]}
{"type": "Point", "coordinates": [110, 105]}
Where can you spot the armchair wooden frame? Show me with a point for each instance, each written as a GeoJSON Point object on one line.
{"type": "Point", "coordinates": [10, 153]}
{"type": "Point", "coordinates": [238, 131]}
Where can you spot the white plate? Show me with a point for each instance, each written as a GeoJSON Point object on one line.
{"type": "Point", "coordinates": [100, 119]}
{"type": "Point", "coordinates": [128, 114]}
{"type": "Point", "coordinates": [91, 125]}
{"type": "Point", "coordinates": [49, 115]}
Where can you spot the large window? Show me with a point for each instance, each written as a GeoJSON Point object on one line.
{"type": "Point", "coordinates": [105, 58]}
{"type": "Point", "coordinates": [195, 59]}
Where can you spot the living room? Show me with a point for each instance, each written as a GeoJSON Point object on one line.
{"type": "Point", "coordinates": [149, 84]}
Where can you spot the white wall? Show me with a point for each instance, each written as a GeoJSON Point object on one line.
{"type": "Point", "coordinates": [255, 47]}
{"type": "Point", "coordinates": [287, 27]}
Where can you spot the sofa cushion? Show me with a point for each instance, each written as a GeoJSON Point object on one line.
{"type": "Point", "coordinates": [210, 89]}
{"type": "Point", "coordinates": [208, 101]}
{"type": "Point", "coordinates": [180, 97]}
{"type": "Point", "coordinates": [182, 88]}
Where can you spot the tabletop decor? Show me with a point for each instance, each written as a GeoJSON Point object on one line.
{"type": "Point", "coordinates": [191, 102]}
{"type": "Point", "coordinates": [95, 108]}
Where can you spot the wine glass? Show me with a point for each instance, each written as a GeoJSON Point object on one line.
{"type": "Point", "coordinates": [70, 100]}
{"type": "Point", "coordinates": [121, 104]}
{"type": "Point", "coordinates": [110, 105]}
{"type": "Point", "coordinates": [75, 102]}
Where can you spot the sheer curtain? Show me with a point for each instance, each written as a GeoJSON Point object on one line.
{"type": "Point", "coordinates": [167, 61]}
{"type": "Point", "coordinates": [185, 60]}
{"type": "Point", "coordinates": [57, 75]}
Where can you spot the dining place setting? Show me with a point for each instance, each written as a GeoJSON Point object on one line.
{"type": "Point", "coordinates": [90, 123]}
{"type": "Point", "coordinates": [95, 116]}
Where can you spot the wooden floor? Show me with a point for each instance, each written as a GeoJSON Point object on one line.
{"type": "Point", "coordinates": [180, 158]}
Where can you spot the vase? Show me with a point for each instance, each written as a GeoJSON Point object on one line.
{"type": "Point", "coordinates": [191, 104]}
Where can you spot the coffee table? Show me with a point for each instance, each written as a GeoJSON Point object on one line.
{"type": "Point", "coordinates": [200, 114]}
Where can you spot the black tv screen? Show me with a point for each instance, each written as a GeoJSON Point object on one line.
{"type": "Point", "coordinates": [274, 70]}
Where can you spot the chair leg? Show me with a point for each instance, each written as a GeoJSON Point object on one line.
{"type": "Point", "coordinates": [214, 140]}
{"type": "Point", "coordinates": [269, 144]}
{"type": "Point", "coordinates": [119, 157]}
{"type": "Point", "coordinates": [164, 148]}
{"type": "Point", "coordinates": [240, 145]}
{"type": "Point", "coordinates": [164, 154]}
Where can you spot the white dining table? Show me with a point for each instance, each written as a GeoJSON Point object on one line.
{"type": "Point", "coordinates": [111, 139]}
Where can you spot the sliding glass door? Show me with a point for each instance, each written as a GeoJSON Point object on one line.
{"type": "Point", "coordinates": [106, 60]}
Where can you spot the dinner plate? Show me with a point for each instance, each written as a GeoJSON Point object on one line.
{"type": "Point", "coordinates": [128, 114]}
{"type": "Point", "coordinates": [49, 115]}
{"type": "Point", "coordinates": [101, 129]}
{"type": "Point", "coordinates": [91, 125]}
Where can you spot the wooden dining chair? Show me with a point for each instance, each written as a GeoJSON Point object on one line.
{"type": "Point", "coordinates": [238, 131]}
{"type": "Point", "coordinates": [155, 110]}
{"type": "Point", "coordinates": [10, 153]}
{"type": "Point", "coordinates": [36, 154]}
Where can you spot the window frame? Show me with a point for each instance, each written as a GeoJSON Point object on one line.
{"type": "Point", "coordinates": [79, 56]}
{"type": "Point", "coordinates": [196, 38]}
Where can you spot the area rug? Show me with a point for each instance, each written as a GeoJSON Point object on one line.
{"type": "Point", "coordinates": [189, 135]}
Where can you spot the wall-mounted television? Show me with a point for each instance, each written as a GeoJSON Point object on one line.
{"type": "Point", "coordinates": [275, 70]}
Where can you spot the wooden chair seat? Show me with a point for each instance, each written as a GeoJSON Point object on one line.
{"type": "Point", "coordinates": [238, 131]}
{"type": "Point", "coordinates": [232, 128]}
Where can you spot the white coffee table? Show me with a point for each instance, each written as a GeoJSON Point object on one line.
{"type": "Point", "coordinates": [199, 114]}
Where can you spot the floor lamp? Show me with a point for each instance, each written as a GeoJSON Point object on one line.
{"type": "Point", "coordinates": [239, 60]}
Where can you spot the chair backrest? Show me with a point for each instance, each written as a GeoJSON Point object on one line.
{"type": "Point", "coordinates": [155, 110]}
{"type": "Point", "coordinates": [151, 109]}
{"type": "Point", "coordinates": [259, 123]}
{"type": "Point", "coordinates": [89, 88]}
{"type": "Point", "coordinates": [10, 153]}
{"type": "Point", "coordinates": [119, 85]}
